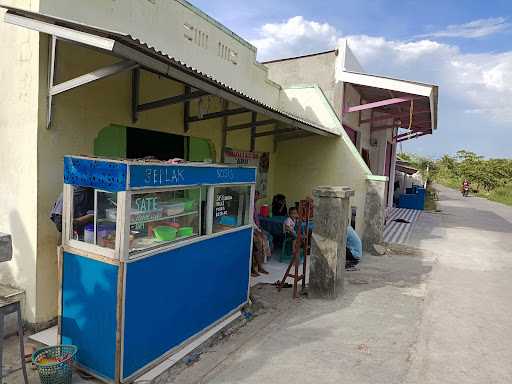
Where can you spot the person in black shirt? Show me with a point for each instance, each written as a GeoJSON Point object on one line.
{"type": "Point", "coordinates": [279, 205]}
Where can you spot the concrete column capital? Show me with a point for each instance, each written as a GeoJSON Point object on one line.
{"type": "Point", "coordinates": [333, 192]}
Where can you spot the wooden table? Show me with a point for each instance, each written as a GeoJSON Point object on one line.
{"type": "Point", "coordinates": [9, 305]}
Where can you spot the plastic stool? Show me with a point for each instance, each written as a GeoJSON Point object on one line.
{"type": "Point", "coordinates": [6, 309]}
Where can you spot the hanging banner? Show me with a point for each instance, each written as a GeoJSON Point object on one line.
{"type": "Point", "coordinates": [260, 160]}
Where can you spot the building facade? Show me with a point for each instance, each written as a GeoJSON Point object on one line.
{"type": "Point", "coordinates": [169, 68]}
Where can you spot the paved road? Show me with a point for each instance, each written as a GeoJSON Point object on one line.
{"type": "Point", "coordinates": [466, 328]}
{"type": "Point", "coordinates": [440, 315]}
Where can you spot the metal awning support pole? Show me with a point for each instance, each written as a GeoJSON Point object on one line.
{"type": "Point", "coordinates": [275, 137]}
{"type": "Point", "coordinates": [408, 133]}
{"type": "Point", "coordinates": [254, 116]}
{"type": "Point", "coordinates": [135, 94]}
{"type": "Point", "coordinates": [225, 106]}
{"type": "Point", "coordinates": [56, 89]}
{"type": "Point", "coordinates": [288, 137]}
{"type": "Point", "coordinates": [250, 125]}
{"type": "Point", "coordinates": [51, 78]}
{"type": "Point", "coordinates": [98, 74]}
{"type": "Point", "coordinates": [176, 73]}
{"type": "Point", "coordinates": [413, 135]}
{"type": "Point", "coordinates": [382, 103]}
{"type": "Point", "coordinates": [359, 113]}
{"type": "Point", "coordinates": [397, 115]}
{"type": "Point", "coordinates": [215, 115]}
{"type": "Point", "coordinates": [186, 109]}
{"type": "Point", "coordinates": [276, 132]}
{"type": "Point", "coordinates": [171, 101]}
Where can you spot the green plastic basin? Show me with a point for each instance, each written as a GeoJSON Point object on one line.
{"type": "Point", "coordinates": [164, 233]}
{"type": "Point", "coordinates": [185, 231]}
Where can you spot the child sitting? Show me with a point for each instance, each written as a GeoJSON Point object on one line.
{"type": "Point", "coordinates": [290, 222]}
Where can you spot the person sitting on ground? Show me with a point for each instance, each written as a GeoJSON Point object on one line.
{"type": "Point", "coordinates": [291, 222]}
{"type": "Point", "coordinates": [354, 248]}
{"type": "Point", "coordinates": [279, 205]}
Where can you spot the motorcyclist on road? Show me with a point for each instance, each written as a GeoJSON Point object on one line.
{"type": "Point", "coordinates": [465, 187]}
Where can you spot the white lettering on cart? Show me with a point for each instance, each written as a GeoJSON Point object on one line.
{"type": "Point", "coordinates": [225, 174]}
{"type": "Point", "coordinates": [164, 176]}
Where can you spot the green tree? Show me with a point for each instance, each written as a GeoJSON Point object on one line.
{"type": "Point", "coordinates": [471, 166]}
{"type": "Point", "coordinates": [489, 174]}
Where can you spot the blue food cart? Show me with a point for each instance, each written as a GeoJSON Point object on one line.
{"type": "Point", "coordinates": [154, 254]}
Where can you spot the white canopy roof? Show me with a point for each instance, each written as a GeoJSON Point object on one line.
{"type": "Point", "coordinates": [375, 89]}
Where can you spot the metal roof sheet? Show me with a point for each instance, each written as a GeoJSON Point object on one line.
{"type": "Point", "coordinates": [146, 48]}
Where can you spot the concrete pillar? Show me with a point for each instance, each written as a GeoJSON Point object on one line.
{"type": "Point", "coordinates": [374, 212]}
{"type": "Point", "coordinates": [391, 184]}
{"type": "Point", "coordinates": [327, 263]}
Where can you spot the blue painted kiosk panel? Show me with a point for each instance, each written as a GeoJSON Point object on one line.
{"type": "Point", "coordinates": [89, 302]}
{"type": "Point", "coordinates": [113, 175]}
{"type": "Point", "coordinates": [95, 173]}
{"type": "Point", "coordinates": [174, 295]}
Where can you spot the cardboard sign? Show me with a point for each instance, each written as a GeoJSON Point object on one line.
{"type": "Point", "coordinates": [255, 159]}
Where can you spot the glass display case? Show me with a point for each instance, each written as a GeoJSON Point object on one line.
{"type": "Point", "coordinates": [231, 207]}
{"type": "Point", "coordinates": [124, 224]}
{"type": "Point", "coordinates": [156, 218]}
{"type": "Point", "coordinates": [91, 222]}
{"type": "Point", "coordinates": [137, 238]}
{"type": "Point", "coordinates": [163, 217]}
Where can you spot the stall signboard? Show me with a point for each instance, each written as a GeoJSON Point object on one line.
{"type": "Point", "coordinates": [261, 160]}
{"type": "Point", "coordinates": [160, 175]}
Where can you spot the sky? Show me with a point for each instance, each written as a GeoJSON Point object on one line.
{"type": "Point", "coordinates": [464, 46]}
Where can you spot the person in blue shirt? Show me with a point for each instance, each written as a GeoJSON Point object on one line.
{"type": "Point", "coordinates": [83, 208]}
{"type": "Point", "coordinates": [354, 248]}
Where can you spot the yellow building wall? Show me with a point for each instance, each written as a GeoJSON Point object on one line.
{"type": "Point", "coordinates": [303, 164]}
{"type": "Point", "coordinates": [78, 117]}
{"type": "Point", "coordinates": [19, 61]}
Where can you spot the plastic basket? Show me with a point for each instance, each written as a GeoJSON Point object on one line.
{"type": "Point", "coordinates": [55, 364]}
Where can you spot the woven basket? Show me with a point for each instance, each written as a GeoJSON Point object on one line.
{"type": "Point", "coordinates": [55, 364]}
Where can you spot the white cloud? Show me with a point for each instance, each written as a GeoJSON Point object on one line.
{"type": "Point", "coordinates": [481, 82]}
{"type": "Point", "coordinates": [474, 83]}
{"type": "Point", "coordinates": [473, 29]}
{"type": "Point", "coordinates": [296, 36]}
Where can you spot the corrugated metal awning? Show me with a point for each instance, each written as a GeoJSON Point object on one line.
{"type": "Point", "coordinates": [148, 57]}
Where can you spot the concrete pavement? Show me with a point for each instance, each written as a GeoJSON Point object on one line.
{"type": "Point", "coordinates": [466, 328]}
{"type": "Point", "coordinates": [438, 312]}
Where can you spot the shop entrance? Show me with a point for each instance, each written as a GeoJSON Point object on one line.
{"type": "Point", "coordinates": [135, 143]}
{"type": "Point", "coordinates": [116, 141]}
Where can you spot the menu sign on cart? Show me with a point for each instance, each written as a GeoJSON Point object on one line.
{"type": "Point", "coordinates": [254, 159]}
{"type": "Point", "coordinates": [220, 204]}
